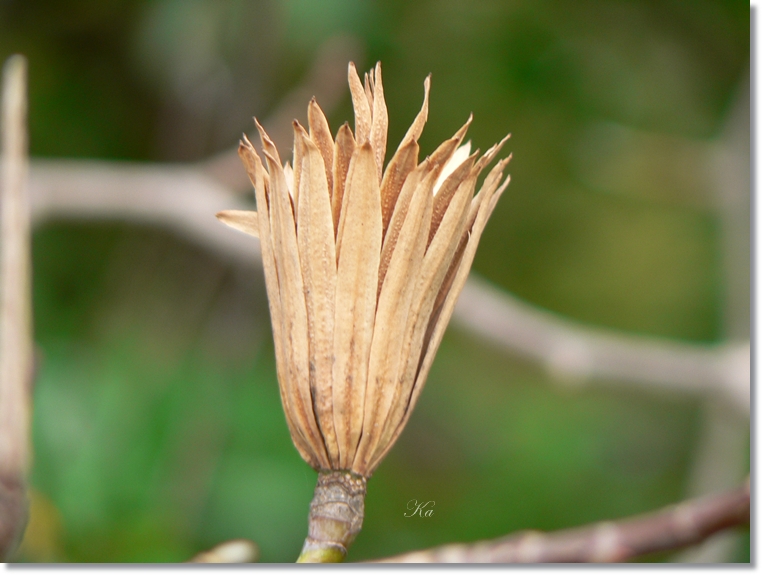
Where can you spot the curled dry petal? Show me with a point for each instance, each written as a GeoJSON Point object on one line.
{"type": "Point", "coordinates": [344, 148]}
{"type": "Point", "coordinates": [361, 105]}
{"type": "Point", "coordinates": [460, 156]}
{"type": "Point", "coordinates": [398, 215]}
{"type": "Point", "coordinates": [241, 220]}
{"type": "Point", "coordinates": [394, 307]}
{"type": "Point", "coordinates": [437, 328]}
{"type": "Point", "coordinates": [320, 133]}
{"type": "Point", "coordinates": [363, 266]}
{"type": "Point", "coordinates": [317, 249]}
{"type": "Point", "coordinates": [432, 273]}
{"type": "Point", "coordinates": [261, 182]}
{"type": "Point", "coordinates": [402, 163]}
{"type": "Point", "coordinates": [380, 123]}
{"type": "Point", "coordinates": [446, 192]}
{"type": "Point", "coordinates": [416, 128]}
{"type": "Point", "coordinates": [360, 241]}
{"type": "Point", "coordinates": [293, 305]}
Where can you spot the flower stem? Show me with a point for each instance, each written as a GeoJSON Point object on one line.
{"type": "Point", "coordinates": [336, 515]}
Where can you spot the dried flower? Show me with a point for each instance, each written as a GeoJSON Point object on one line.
{"type": "Point", "coordinates": [363, 267]}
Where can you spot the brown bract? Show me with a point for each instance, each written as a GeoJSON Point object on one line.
{"type": "Point", "coordinates": [363, 267]}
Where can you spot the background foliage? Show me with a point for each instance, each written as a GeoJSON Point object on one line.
{"type": "Point", "coordinates": [158, 430]}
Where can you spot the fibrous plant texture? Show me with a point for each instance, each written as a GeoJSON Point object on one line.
{"type": "Point", "coordinates": [363, 266]}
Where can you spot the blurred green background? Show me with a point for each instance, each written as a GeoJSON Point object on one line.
{"type": "Point", "coordinates": [158, 430]}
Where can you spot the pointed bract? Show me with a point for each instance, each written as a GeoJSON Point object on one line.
{"type": "Point", "coordinates": [317, 249]}
{"type": "Point", "coordinates": [357, 279]}
{"type": "Point", "coordinates": [294, 310]}
{"type": "Point", "coordinates": [394, 306]}
{"type": "Point", "coordinates": [320, 133]}
{"type": "Point", "coordinates": [402, 163]}
{"type": "Point", "coordinates": [437, 330]}
{"type": "Point", "coordinates": [362, 108]}
{"type": "Point", "coordinates": [343, 151]}
{"type": "Point", "coordinates": [260, 179]}
{"type": "Point", "coordinates": [416, 128]}
{"type": "Point", "coordinates": [363, 267]}
{"type": "Point", "coordinates": [432, 272]}
{"type": "Point", "coordinates": [380, 121]}
{"type": "Point", "coordinates": [242, 220]}
{"type": "Point", "coordinates": [400, 211]}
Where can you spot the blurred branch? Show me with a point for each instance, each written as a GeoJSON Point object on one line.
{"type": "Point", "coordinates": [186, 197]}
{"type": "Point", "coordinates": [671, 528]}
{"type": "Point", "coordinates": [185, 200]}
{"type": "Point", "coordinates": [721, 454]}
{"type": "Point", "coordinates": [15, 310]}
{"type": "Point", "coordinates": [570, 349]}
{"type": "Point", "coordinates": [235, 551]}
{"type": "Point", "coordinates": [181, 198]}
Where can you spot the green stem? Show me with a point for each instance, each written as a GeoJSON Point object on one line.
{"type": "Point", "coordinates": [336, 515]}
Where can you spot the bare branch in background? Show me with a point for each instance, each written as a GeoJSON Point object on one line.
{"type": "Point", "coordinates": [180, 198]}
{"type": "Point", "coordinates": [16, 346]}
{"type": "Point", "coordinates": [235, 551]}
{"type": "Point", "coordinates": [671, 528]}
{"type": "Point", "coordinates": [185, 199]}
{"type": "Point", "coordinates": [721, 454]}
{"type": "Point", "coordinates": [570, 349]}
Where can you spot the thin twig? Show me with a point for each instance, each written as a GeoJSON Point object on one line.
{"type": "Point", "coordinates": [668, 529]}
{"type": "Point", "coordinates": [15, 310]}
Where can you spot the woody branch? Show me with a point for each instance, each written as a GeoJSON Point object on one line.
{"type": "Point", "coordinates": [183, 197]}
{"type": "Point", "coordinates": [668, 529]}
{"type": "Point", "coordinates": [15, 310]}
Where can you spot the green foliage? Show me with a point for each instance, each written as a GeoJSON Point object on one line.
{"type": "Point", "coordinates": [158, 430]}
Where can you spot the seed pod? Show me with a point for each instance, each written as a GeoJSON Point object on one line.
{"type": "Point", "coordinates": [362, 267]}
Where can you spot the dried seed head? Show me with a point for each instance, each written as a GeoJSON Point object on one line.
{"type": "Point", "coordinates": [363, 267]}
